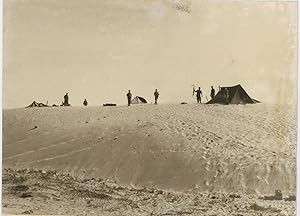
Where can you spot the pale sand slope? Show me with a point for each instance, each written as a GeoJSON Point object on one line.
{"type": "Point", "coordinates": [247, 149]}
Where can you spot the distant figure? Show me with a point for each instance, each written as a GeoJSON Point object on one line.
{"type": "Point", "coordinates": [129, 95]}
{"type": "Point", "coordinates": [212, 92]}
{"type": "Point", "coordinates": [66, 100]}
{"type": "Point", "coordinates": [85, 103]}
{"type": "Point", "coordinates": [198, 94]}
{"type": "Point", "coordinates": [156, 94]}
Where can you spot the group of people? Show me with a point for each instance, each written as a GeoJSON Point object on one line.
{"type": "Point", "coordinates": [199, 95]}
{"type": "Point", "coordinates": [129, 96]}
{"type": "Point", "coordinates": [66, 101]}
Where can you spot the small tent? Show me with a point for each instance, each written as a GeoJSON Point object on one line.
{"type": "Point", "coordinates": [138, 100]}
{"type": "Point", "coordinates": [36, 104]}
{"type": "Point", "coordinates": [236, 95]}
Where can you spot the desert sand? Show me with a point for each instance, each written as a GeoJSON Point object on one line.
{"type": "Point", "coordinates": [169, 159]}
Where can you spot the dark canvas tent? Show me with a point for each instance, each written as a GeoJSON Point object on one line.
{"type": "Point", "coordinates": [236, 95]}
{"type": "Point", "coordinates": [138, 100]}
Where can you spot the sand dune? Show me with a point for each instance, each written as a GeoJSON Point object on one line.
{"type": "Point", "coordinates": [246, 149]}
{"type": "Point", "coordinates": [211, 148]}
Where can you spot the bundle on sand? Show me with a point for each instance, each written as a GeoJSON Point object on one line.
{"type": "Point", "coordinates": [36, 104]}
{"type": "Point", "coordinates": [109, 104]}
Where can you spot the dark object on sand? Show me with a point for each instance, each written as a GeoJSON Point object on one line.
{"type": "Point", "coordinates": [290, 198]}
{"type": "Point", "coordinates": [35, 127]}
{"type": "Point", "coordinates": [109, 104]}
{"type": "Point", "coordinates": [183, 102]}
{"type": "Point", "coordinates": [234, 196]}
{"type": "Point", "coordinates": [26, 195]}
{"type": "Point", "coordinates": [232, 95]}
{"type": "Point", "coordinates": [28, 211]}
{"type": "Point", "coordinates": [138, 100]}
{"type": "Point", "coordinates": [54, 105]}
{"type": "Point", "coordinates": [36, 104]}
{"type": "Point", "coordinates": [257, 207]}
{"type": "Point", "coordinates": [278, 196]}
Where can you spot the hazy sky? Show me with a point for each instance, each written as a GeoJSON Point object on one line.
{"type": "Point", "coordinates": [98, 49]}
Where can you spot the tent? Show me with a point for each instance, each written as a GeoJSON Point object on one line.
{"type": "Point", "coordinates": [138, 100]}
{"type": "Point", "coordinates": [36, 104]}
{"type": "Point", "coordinates": [236, 95]}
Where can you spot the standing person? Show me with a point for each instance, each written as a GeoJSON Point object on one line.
{"type": "Point", "coordinates": [198, 94]}
{"type": "Point", "coordinates": [129, 95]}
{"type": "Point", "coordinates": [85, 103]}
{"type": "Point", "coordinates": [212, 92]}
{"type": "Point", "coordinates": [66, 100]}
{"type": "Point", "coordinates": [156, 94]}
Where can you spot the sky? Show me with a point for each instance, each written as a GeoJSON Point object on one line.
{"type": "Point", "coordinates": [98, 50]}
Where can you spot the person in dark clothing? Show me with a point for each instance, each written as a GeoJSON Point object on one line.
{"type": "Point", "coordinates": [156, 94]}
{"type": "Point", "coordinates": [66, 100]}
{"type": "Point", "coordinates": [129, 95]}
{"type": "Point", "coordinates": [198, 95]}
{"type": "Point", "coordinates": [212, 92]}
{"type": "Point", "coordinates": [85, 103]}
